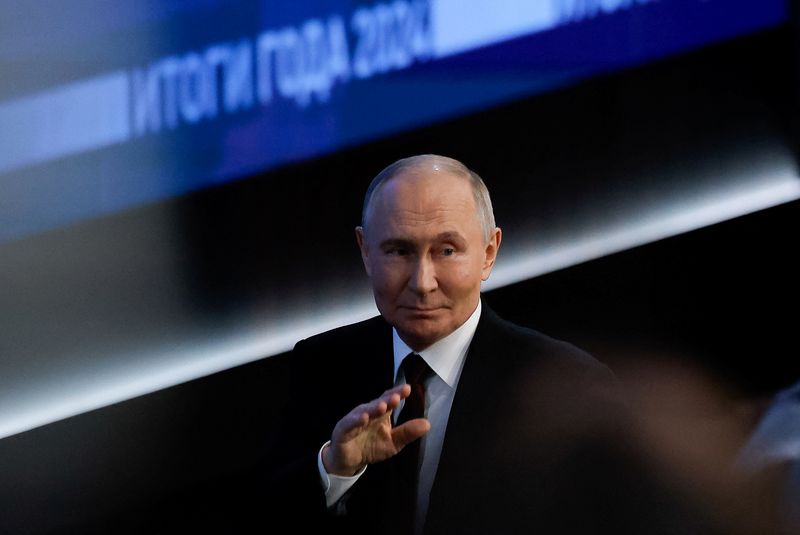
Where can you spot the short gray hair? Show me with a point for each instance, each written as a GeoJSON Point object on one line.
{"type": "Point", "coordinates": [479, 190]}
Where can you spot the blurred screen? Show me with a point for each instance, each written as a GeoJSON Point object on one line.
{"type": "Point", "coordinates": [108, 105]}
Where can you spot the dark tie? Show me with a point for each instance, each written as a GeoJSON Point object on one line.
{"type": "Point", "coordinates": [416, 370]}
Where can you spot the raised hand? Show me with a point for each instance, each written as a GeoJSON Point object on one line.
{"type": "Point", "coordinates": [366, 436]}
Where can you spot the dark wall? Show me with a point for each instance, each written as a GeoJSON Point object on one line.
{"type": "Point", "coordinates": [723, 297]}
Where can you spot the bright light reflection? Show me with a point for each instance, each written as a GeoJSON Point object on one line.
{"type": "Point", "coordinates": [192, 362]}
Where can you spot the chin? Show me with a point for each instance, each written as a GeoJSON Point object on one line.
{"type": "Point", "coordinates": [421, 337]}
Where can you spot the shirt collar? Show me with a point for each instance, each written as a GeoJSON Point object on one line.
{"type": "Point", "coordinates": [445, 356]}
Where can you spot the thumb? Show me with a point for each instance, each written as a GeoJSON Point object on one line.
{"type": "Point", "coordinates": [409, 432]}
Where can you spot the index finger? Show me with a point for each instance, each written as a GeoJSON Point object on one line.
{"type": "Point", "coordinates": [387, 401]}
{"type": "Point", "coordinates": [393, 396]}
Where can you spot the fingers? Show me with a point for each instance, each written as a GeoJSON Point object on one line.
{"type": "Point", "coordinates": [387, 401]}
{"type": "Point", "coordinates": [379, 407]}
{"type": "Point", "coordinates": [354, 420]}
{"type": "Point", "coordinates": [366, 436]}
{"type": "Point", "coordinates": [393, 396]}
{"type": "Point", "coordinates": [409, 432]}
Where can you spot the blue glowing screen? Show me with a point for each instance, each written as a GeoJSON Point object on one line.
{"type": "Point", "coordinates": [108, 105]}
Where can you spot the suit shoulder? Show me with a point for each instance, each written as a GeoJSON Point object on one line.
{"type": "Point", "coordinates": [526, 341]}
{"type": "Point", "coordinates": [349, 344]}
{"type": "Point", "coordinates": [346, 334]}
{"type": "Point", "coordinates": [530, 355]}
{"type": "Point", "coordinates": [355, 357]}
{"type": "Point", "coordinates": [540, 367]}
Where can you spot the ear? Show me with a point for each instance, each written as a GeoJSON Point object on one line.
{"type": "Point", "coordinates": [491, 252]}
{"type": "Point", "coordinates": [362, 245]}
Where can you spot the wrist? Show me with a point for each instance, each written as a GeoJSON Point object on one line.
{"type": "Point", "coordinates": [334, 468]}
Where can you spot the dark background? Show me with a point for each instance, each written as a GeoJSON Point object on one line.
{"type": "Point", "coordinates": [721, 297]}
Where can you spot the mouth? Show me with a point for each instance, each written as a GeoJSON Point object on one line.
{"type": "Point", "coordinates": [421, 310]}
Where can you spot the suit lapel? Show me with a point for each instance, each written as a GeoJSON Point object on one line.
{"type": "Point", "coordinates": [367, 369]}
{"type": "Point", "coordinates": [473, 409]}
{"type": "Point", "coordinates": [368, 372]}
{"type": "Point", "coordinates": [379, 358]}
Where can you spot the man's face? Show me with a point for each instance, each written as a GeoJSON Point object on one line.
{"type": "Point", "coordinates": [426, 253]}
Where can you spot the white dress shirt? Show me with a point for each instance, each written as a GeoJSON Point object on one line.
{"type": "Point", "coordinates": [446, 359]}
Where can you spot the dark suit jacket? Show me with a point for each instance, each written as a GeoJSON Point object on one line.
{"type": "Point", "coordinates": [521, 440]}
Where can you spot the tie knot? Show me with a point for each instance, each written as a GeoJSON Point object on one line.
{"type": "Point", "coordinates": [415, 368]}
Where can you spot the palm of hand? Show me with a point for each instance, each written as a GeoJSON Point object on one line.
{"type": "Point", "coordinates": [366, 436]}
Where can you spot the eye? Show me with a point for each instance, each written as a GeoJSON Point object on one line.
{"type": "Point", "coordinates": [448, 251]}
{"type": "Point", "coordinates": [396, 251]}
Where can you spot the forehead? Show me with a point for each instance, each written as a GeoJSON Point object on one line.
{"type": "Point", "coordinates": [425, 198]}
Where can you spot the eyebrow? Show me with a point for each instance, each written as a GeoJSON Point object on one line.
{"type": "Point", "coordinates": [450, 236]}
{"type": "Point", "coordinates": [395, 242]}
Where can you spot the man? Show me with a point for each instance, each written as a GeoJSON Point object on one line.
{"type": "Point", "coordinates": [501, 405]}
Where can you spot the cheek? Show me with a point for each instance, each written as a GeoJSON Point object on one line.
{"type": "Point", "coordinates": [386, 278]}
{"type": "Point", "coordinates": [472, 267]}
{"type": "Point", "coordinates": [463, 277]}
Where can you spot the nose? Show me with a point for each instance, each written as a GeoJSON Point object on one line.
{"type": "Point", "coordinates": [423, 276]}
